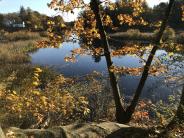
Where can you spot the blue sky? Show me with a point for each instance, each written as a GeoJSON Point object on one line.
{"type": "Point", "coordinates": [7, 6]}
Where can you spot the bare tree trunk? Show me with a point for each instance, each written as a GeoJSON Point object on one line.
{"type": "Point", "coordinates": [120, 112]}
{"type": "Point", "coordinates": [130, 110]}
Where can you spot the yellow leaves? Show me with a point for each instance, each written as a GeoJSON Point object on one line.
{"type": "Point", "coordinates": [50, 22]}
{"type": "Point", "coordinates": [44, 100]}
{"type": "Point", "coordinates": [86, 111]}
{"type": "Point", "coordinates": [36, 92]}
{"type": "Point", "coordinates": [35, 83]}
{"type": "Point", "coordinates": [182, 8]}
{"type": "Point", "coordinates": [63, 25]}
{"type": "Point", "coordinates": [111, 6]}
{"type": "Point", "coordinates": [70, 59]}
{"type": "Point", "coordinates": [80, 51]}
{"type": "Point", "coordinates": [157, 70]}
{"type": "Point", "coordinates": [126, 70]}
{"type": "Point", "coordinates": [170, 54]}
{"type": "Point", "coordinates": [98, 51]}
{"type": "Point", "coordinates": [38, 70]}
{"type": "Point", "coordinates": [157, 24]}
{"type": "Point", "coordinates": [107, 20]}
{"type": "Point", "coordinates": [161, 118]}
{"type": "Point", "coordinates": [14, 92]}
{"type": "Point", "coordinates": [126, 19]}
{"type": "Point", "coordinates": [154, 70]}
{"type": "Point", "coordinates": [126, 50]}
{"type": "Point", "coordinates": [66, 6]}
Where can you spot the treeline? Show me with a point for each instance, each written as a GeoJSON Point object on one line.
{"type": "Point", "coordinates": [26, 19]}
{"type": "Point", "coordinates": [151, 15]}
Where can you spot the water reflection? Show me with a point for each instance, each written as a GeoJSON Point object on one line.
{"type": "Point", "coordinates": [154, 89]}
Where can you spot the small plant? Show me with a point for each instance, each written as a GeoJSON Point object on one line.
{"type": "Point", "coordinates": [51, 105]}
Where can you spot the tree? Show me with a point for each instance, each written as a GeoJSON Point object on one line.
{"type": "Point", "coordinates": [23, 13]}
{"type": "Point", "coordinates": [98, 20]}
{"type": "Point", "coordinates": [1, 20]}
{"type": "Point", "coordinates": [33, 20]}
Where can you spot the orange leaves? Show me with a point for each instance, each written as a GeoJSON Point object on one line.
{"type": "Point", "coordinates": [53, 100]}
{"type": "Point", "coordinates": [79, 25]}
{"type": "Point", "coordinates": [70, 59]}
{"type": "Point", "coordinates": [126, 70]}
{"type": "Point", "coordinates": [126, 50]}
{"type": "Point", "coordinates": [80, 51]}
{"type": "Point", "coordinates": [66, 5]}
{"type": "Point", "coordinates": [155, 71]}
{"type": "Point", "coordinates": [132, 18]}
{"type": "Point", "coordinates": [126, 19]}
{"type": "Point", "coordinates": [141, 113]}
{"type": "Point", "coordinates": [182, 8]}
{"type": "Point", "coordinates": [107, 20]}
{"type": "Point", "coordinates": [129, 19]}
{"type": "Point", "coordinates": [98, 51]}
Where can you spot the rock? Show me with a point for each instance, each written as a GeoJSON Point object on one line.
{"type": "Point", "coordinates": [1, 133]}
{"type": "Point", "coordinates": [83, 130]}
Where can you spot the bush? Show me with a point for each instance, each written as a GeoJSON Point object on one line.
{"type": "Point", "coordinates": [180, 38]}
{"type": "Point", "coordinates": [31, 108]}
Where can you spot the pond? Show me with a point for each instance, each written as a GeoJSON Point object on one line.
{"type": "Point", "coordinates": [155, 87]}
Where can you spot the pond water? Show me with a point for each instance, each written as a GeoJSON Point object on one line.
{"type": "Point", "coordinates": [155, 88]}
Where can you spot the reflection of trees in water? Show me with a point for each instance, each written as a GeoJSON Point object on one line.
{"type": "Point", "coordinates": [96, 58]}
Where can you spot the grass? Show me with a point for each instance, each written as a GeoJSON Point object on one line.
{"type": "Point", "coordinates": [135, 35]}
{"type": "Point", "coordinates": [14, 56]}
{"type": "Point", "coordinates": [16, 52]}
{"type": "Point", "coordinates": [20, 35]}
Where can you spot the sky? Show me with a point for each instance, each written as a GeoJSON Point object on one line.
{"type": "Point", "coordinates": [8, 6]}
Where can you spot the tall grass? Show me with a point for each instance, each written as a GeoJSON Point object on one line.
{"type": "Point", "coordinates": [133, 35]}
{"type": "Point", "coordinates": [20, 35]}
{"type": "Point", "coordinates": [16, 52]}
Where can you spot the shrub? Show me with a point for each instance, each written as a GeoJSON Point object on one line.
{"type": "Point", "coordinates": [36, 106]}
{"type": "Point", "coordinates": [180, 38]}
